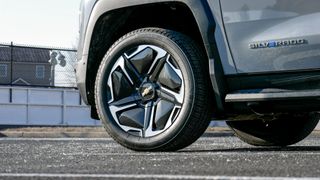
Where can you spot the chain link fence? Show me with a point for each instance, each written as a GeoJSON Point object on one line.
{"type": "Point", "coordinates": [37, 66]}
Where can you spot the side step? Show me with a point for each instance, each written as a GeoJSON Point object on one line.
{"type": "Point", "coordinates": [258, 95]}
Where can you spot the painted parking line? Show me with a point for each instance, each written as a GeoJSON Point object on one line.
{"type": "Point", "coordinates": [145, 176]}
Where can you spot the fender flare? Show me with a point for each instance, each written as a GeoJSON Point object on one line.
{"type": "Point", "coordinates": [206, 25]}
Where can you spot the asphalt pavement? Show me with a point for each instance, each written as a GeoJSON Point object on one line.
{"type": "Point", "coordinates": [217, 155]}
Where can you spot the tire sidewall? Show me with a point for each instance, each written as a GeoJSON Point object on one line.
{"type": "Point", "coordinates": [111, 57]}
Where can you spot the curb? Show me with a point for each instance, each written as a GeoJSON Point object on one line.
{"type": "Point", "coordinates": [87, 132]}
{"type": "Point", "coordinates": [53, 135]}
{"type": "Point", "coordinates": [54, 132]}
{"type": "Point", "coordinates": [81, 132]}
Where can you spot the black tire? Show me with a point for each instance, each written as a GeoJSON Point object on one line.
{"type": "Point", "coordinates": [188, 119]}
{"type": "Point", "coordinates": [286, 130]}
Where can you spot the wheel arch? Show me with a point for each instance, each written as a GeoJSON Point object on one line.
{"type": "Point", "coordinates": [106, 15]}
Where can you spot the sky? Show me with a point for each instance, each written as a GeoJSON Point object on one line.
{"type": "Point", "coordinates": [40, 22]}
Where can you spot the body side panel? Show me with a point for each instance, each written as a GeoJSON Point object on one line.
{"type": "Point", "coordinates": [250, 22]}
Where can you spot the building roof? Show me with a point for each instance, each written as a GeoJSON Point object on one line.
{"type": "Point", "coordinates": [20, 81]}
{"type": "Point", "coordinates": [31, 55]}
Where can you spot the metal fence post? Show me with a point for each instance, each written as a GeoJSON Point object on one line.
{"type": "Point", "coordinates": [11, 63]}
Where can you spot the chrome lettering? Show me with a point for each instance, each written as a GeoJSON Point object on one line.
{"type": "Point", "coordinates": [273, 44]}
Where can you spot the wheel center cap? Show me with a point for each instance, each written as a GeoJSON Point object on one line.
{"type": "Point", "coordinates": [147, 91]}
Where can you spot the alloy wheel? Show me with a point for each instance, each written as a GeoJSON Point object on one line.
{"type": "Point", "coordinates": [146, 91]}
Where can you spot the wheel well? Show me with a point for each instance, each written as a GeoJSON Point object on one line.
{"type": "Point", "coordinates": [113, 25]}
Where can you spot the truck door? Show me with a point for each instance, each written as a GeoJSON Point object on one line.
{"type": "Point", "coordinates": [273, 35]}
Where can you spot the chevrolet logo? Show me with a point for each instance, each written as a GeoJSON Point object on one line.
{"type": "Point", "coordinates": [146, 91]}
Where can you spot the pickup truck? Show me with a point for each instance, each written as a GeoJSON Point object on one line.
{"type": "Point", "coordinates": [156, 72]}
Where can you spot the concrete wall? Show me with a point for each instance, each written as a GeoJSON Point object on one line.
{"type": "Point", "coordinates": [48, 106]}
{"type": "Point", "coordinates": [43, 106]}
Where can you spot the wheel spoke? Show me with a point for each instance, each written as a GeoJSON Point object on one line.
{"type": "Point", "coordinates": [157, 69]}
{"type": "Point", "coordinates": [128, 113]}
{"type": "Point", "coordinates": [170, 96]}
{"type": "Point", "coordinates": [163, 113]}
{"type": "Point", "coordinates": [120, 85]}
{"type": "Point", "coordinates": [135, 75]}
{"type": "Point", "coordinates": [143, 60]}
{"type": "Point", "coordinates": [160, 54]}
{"type": "Point", "coordinates": [133, 99]}
{"type": "Point", "coordinates": [128, 117]}
{"type": "Point", "coordinates": [169, 77]}
{"type": "Point", "coordinates": [123, 79]}
{"type": "Point", "coordinates": [148, 117]}
{"type": "Point", "coordinates": [133, 118]}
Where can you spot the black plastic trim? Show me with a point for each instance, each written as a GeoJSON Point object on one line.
{"type": "Point", "coordinates": [266, 73]}
{"type": "Point", "coordinates": [258, 95]}
{"type": "Point", "coordinates": [305, 79]}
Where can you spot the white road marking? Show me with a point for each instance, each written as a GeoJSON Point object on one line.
{"type": "Point", "coordinates": [146, 176]}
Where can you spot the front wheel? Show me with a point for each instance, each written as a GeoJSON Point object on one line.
{"type": "Point", "coordinates": [152, 89]}
{"type": "Point", "coordinates": [285, 130]}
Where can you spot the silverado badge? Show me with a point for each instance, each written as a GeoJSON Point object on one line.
{"type": "Point", "coordinates": [274, 44]}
